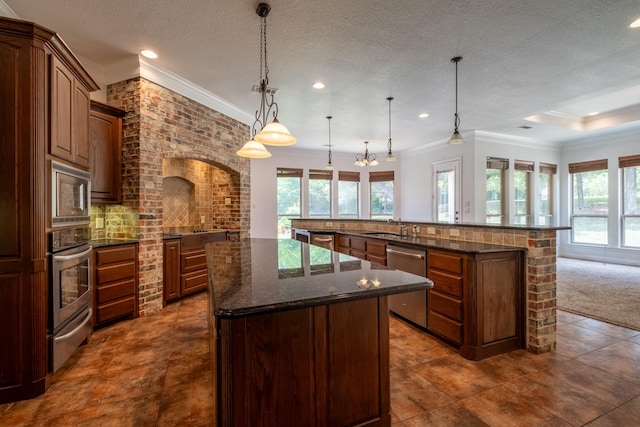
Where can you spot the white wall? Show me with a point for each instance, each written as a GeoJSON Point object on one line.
{"type": "Point", "coordinates": [264, 184]}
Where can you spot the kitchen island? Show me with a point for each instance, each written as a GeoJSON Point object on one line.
{"type": "Point", "coordinates": [300, 334]}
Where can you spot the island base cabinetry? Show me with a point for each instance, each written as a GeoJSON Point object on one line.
{"type": "Point", "coordinates": [318, 366]}
{"type": "Point", "coordinates": [476, 301]}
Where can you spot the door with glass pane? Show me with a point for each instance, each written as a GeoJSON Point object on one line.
{"type": "Point", "coordinates": [447, 191]}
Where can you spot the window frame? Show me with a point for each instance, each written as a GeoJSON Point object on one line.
{"type": "Point", "coordinates": [348, 176]}
{"type": "Point", "coordinates": [287, 173]}
{"type": "Point", "coordinates": [320, 175]}
{"type": "Point", "coordinates": [550, 170]}
{"type": "Point", "coordinates": [526, 167]}
{"type": "Point", "coordinates": [501, 164]}
{"type": "Point", "coordinates": [582, 168]}
{"type": "Point", "coordinates": [624, 163]}
{"type": "Point", "coordinates": [376, 178]}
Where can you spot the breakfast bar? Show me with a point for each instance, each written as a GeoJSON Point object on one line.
{"type": "Point", "coordinates": [300, 334]}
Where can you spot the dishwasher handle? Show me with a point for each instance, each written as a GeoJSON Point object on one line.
{"type": "Point", "coordinates": [409, 254]}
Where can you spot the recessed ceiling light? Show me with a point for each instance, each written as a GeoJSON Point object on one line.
{"type": "Point", "coordinates": [423, 115]}
{"type": "Point", "coordinates": [635, 24]}
{"type": "Point", "coordinates": [148, 54]}
{"type": "Point", "coordinates": [593, 113]}
{"type": "Point", "coordinates": [318, 85]}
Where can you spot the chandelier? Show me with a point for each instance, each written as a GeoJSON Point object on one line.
{"type": "Point", "coordinates": [366, 159]}
{"type": "Point", "coordinates": [456, 138]}
{"type": "Point", "coordinates": [274, 133]}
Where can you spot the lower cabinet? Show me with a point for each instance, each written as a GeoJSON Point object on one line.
{"type": "Point", "coordinates": [360, 247]}
{"type": "Point", "coordinates": [115, 283]}
{"type": "Point", "coordinates": [477, 301]}
{"type": "Point", "coordinates": [304, 367]}
{"type": "Point", "coordinates": [185, 264]}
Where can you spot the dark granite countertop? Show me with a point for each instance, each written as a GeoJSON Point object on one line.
{"type": "Point", "coordinates": [98, 243]}
{"type": "Point", "coordinates": [257, 276]}
{"type": "Point", "coordinates": [178, 232]}
{"type": "Point", "coordinates": [457, 224]}
{"type": "Point", "coordinates": [432, 243]}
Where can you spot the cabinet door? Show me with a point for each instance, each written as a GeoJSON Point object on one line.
{"type": "Point", "coordinates": [69, 116]}
{"type": "Point", "coordinates": [171, 269]}
{"type": "Point", "coordinates": [106, 157]}
{"type": "Point", "coordinates": [80, 125]}
{"type": "Point", "coordinates": [62, 94]}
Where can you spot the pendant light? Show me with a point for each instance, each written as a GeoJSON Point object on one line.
{"type": "Point", "coordinates": [329, 164]}
{"type": "Point", "coordinates": [390, 157]}
{"type": "Point", "coordinates": [456, 138]}
{"type": "Point", "coordinates": [366, 159]}
{"type": "Point", "coordinates": [274, 133]}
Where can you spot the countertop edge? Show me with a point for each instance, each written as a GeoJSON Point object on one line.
{"type": "Point", "coordinates": [319, 301]}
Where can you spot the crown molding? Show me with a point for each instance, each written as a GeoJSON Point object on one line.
{"type": "Point", "coordinates": [137, 66]}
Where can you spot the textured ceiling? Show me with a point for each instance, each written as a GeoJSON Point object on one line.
{"type": "Point", "coordinates": [565, 58]}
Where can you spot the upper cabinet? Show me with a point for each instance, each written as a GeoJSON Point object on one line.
{"type": "Point", "coordinates": [105, 143]}
{"type": "Point", "coordinates": [69, 115]}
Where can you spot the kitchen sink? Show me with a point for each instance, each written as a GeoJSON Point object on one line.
{"type": "Point", "coordinates": [384, 235]}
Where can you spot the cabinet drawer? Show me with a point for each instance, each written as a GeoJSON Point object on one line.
{"type": "Point", "coordinates": [115, 309]}
{"type": "Point", "coordinates": [376, 248]}
{"type": "Point", "coordinates": [358, 253]}
{"type": "Point", "coordinates": [114, 291]}
{"type": "Point", "coordinates": [115, 254]}
{"type": "Point", "coordinates": [111, 273]}
{"type": "Point", "coordinates": [447, 328]}
{"type": "Point", "coordinates": [343, 241]}
{"type": "Point", "coordinates": [193, 282]}
{"type": "Point", "coordinates": [377, 259]}
{"type": "Point", "coordinates": [443, 304]}
{"type": "Point", "coordinates": [446, 262]}
{"type": "Point", "coordinates": [446, 282]}
{"type": "Point", "coordinates": [192, 261]}
{"type": "Point", "coordinates": [358, 244]}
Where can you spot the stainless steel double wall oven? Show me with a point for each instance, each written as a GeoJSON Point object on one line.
{"type": "Point", "coordinates": [70, 263]}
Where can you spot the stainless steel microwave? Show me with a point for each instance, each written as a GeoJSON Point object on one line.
{"type": "Point", "coordinates": [70, 195]}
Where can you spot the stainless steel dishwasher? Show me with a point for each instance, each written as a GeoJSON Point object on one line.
{"type": "Point", "coordinates": [412, 305]}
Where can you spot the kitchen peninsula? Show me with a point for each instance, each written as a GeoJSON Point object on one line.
{"type": "Point", "coordinates": [300, 334]}
{"type": "Point", "coordinates": [539, 284]}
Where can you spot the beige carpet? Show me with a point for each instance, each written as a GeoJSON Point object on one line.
{"type": "Point", "coordinates": [607, 292]}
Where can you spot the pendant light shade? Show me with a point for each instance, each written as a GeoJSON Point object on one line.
{"type": "Point", "coordinates": [329, 163]}
{"type": "Point", "coordinates": [456, 138]}
{"type": "Point", "coordinates": [390, 157]}
{"type": "Point", "coordinates": [253, 150]}
{"type": "Point", "coordinates": [274, 133]}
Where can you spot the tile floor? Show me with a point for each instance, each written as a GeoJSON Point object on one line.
{"type": "Point", "coordinates": [155, 371]}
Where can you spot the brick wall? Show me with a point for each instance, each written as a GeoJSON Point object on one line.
{"type": "Point", "coordinates": [161, 124]}
{"type": "Point", "coordinates": [540, 266]}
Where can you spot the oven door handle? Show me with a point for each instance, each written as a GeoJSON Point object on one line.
{"type": "Point", "coordinates": [71, 333]}
{"type": "Point", "coordinates": [62, 258]}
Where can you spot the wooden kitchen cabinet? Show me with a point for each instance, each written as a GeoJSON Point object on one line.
{"type": "Point", "coordinates": [476, 301]}
{"type": "Point", "coordinates": [26, 52]}
{"type": "Point", "coordinates": [185, 263]}
{"type": "Point", "coordinates": [69, 105]}
{"type": "Point", "coordinates": [105, 140]}
{"type": "Point", "coordinates": [171, 269]}
{"type": "Point", "coordinates": [363, 248]}
{"type": "Point", "coordinates": [115, 283]}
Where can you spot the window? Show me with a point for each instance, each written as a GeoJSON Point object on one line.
{"type": "Point", "coordinates": [589, 202]}
{"type": "Point", "coordinates": [545, 197]}
{"type": "Point", "coordinates": [348, 194]}
{"type": "Point", "coordinates": [320, 193]}
{"type": "Point", "coordinates": [522, 191]}
{"type": "Point", "coordinates": [630, 170]}
{"type": "Point", "coordinates": [495, 189]}
{"type": "Point", "coordinates": [289, 197]}
{"type": "Point", "coordinates": [381, 188]}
